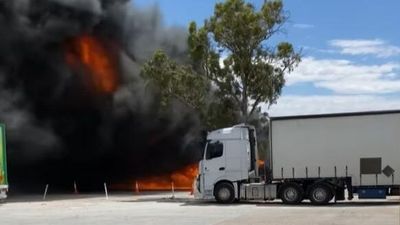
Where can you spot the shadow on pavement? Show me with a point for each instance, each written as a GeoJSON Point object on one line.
{"type": "Point", "coordinates": [49, 197]}
{"type": "Point", "coordinates": [186, 200]}
{"type": "Point", "coordinates": [193, 202]}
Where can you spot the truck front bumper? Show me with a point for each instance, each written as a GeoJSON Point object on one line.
{"type": "Point", "coordinates": [196, 188]}
{"type": "Point", "coordinates": [199, 193]}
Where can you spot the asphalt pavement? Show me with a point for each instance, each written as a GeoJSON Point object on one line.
{"type": "Point", "coordinates": [180, 209]}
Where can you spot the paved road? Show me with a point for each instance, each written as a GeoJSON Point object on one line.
{"type": "Point", "coordinates": [159, 209]}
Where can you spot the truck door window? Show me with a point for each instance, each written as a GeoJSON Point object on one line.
{"type": "Point", "coordinates": [214, 150]}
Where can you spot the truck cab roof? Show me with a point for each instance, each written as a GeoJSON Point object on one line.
{"type": "Point", "coordinates": [235, 132]}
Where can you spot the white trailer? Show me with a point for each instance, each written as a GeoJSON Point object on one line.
{"type": "Point", "coordinates": [315, 157]}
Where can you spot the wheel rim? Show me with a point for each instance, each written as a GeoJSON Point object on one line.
{"type": "Point", "coordinates": [224, 194]}
{"type": "Point", "coordinates": [291, 194]}
{"type": "Point", "coordinates": [319, 194]}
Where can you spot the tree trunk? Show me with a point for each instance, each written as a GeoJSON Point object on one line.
{"type": "Point", "coordinates": [244, 105]}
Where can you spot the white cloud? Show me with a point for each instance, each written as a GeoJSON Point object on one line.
{"type": "Point", "coordinates": [375, 47]}
{"type": "Point", "coordinates": [356, 85]}
{"type": "Point", "coordinates": [303, 25]}
{"type": "Point", "coordinates": [302, 105]}
{"type": "Point", "coordinates": [346, 77]}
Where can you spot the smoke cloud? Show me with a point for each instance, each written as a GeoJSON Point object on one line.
{"type": "Point", "coordinates": [59, 128]}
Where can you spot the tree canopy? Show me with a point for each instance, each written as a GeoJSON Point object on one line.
{"type": "Point", "coordinates": [233, 51]}
{"type": "Point", "coordinates": [174, 81]}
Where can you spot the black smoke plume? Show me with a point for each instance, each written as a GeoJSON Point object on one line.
{"type": "Point", "coordinates": [59, 130]}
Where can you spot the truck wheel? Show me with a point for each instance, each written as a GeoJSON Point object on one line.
{"type": "Point", "coordinates": [291, 193]}
{"type": "Point", "coordinates": [224, 193]}
{"type": "Point", "coordinates": [320, 194]}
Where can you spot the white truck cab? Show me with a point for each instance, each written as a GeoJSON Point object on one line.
{"type": "Point", "coordinates": [229, 159]}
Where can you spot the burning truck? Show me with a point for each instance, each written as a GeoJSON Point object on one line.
{"type": "Point", "coordinates": [75, 107]}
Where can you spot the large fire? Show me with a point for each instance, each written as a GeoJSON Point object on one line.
{"type": "Point", "coordinates": [179, 180]}
{"type": "Point", "coordinates": [97, 59]}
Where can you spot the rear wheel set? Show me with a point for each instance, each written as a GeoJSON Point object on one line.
{"type": "Point", "coordinates": [320, 194]}
{"type": "Point", "coordinates": [291, 193]}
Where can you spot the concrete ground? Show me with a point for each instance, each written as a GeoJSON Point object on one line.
{"type": "Point", "coordinates": [159, 208]}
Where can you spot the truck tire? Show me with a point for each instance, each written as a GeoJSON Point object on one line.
{"type": "Point", "coordinates": [224, 193]}
{"type": "Point", "coordinates": [320, 194]}
{"type": "Point", "coordinates": [291, 193]}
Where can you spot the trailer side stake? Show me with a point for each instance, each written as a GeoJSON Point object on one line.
{"type": "Point", "coordinates": [335, 172]}
{"type": "Point", "coordinates": [306, 172]}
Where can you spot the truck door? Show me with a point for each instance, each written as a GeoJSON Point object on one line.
{"type": "Point", "coordinates": [213, 165]}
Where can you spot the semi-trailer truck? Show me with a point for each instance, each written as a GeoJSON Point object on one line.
{"type": "Point", "coordinates": [320, 158]}
{"type": "Point", "coordinates": [3, 163]}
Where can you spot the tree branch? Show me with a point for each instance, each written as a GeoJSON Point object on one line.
{"type": "Point", "coordinates": [255, 104]}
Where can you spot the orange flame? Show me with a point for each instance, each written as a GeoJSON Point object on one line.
{"type": "Point", "coordinates": [97, 59]}
{"type": "Point", "coordinates": [181, 180]}
{"type": "Point", "coordinates": [260, 163]}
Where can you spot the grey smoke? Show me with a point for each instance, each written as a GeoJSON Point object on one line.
{"type": "Point", "coordinates": [145, 33]}
{"type": "Point", "coordinates": [91, 6]}
{"type": "Point", "coordinates": [32, 141]}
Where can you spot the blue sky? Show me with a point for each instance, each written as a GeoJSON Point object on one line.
{"type": "Point", "coordinates": [351, 52]}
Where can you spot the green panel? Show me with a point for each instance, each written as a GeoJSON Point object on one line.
{"type": "Point", "coordinates": [3, 162]}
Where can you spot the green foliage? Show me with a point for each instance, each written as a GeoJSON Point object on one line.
{"type": "Point", "coordinates": [180, 82]}
{"type": "Point", "coordinates": [175, 81]}
{"type": "Point", "coordinates": [231, 50]}
{"type": "Point", "coordinates": [219, 114]}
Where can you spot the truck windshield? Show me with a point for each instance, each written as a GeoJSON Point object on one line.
{"type": "Point", "coordinates": [214, 149]}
